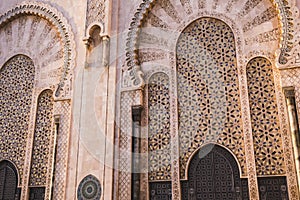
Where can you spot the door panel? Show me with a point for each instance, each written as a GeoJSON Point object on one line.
{"type": "Point", "coordinates": [214, 175]}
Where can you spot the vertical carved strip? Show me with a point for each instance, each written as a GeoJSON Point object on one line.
{"type": "Point", "coordinates": [145, 149]}
{"type": "Point", "coordinates": [124, 166]}
{"type": "Point", "coordinates": [294, 126]}
{"type": "Point", "coordinates": [136, 150]}
{"type": "Point", "coordinates": [290, 77]}
{"type": "Point", "coordinates": [293, 189]}
{"type": "Point", "coordinates": [175, 167]}
{"type": "Point", "coordinates": [62, 108]}
{"type": "Point", "coordinates": [248, 137]}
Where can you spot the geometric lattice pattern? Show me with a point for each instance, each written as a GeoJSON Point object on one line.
{"type": "Point", "coordinates": [42, 137]}
{"type": "Point", "coordinates": [16, 85]}
{"type": "Point", "coordinates": [264, 118]}
{"type": "Point", "coordinates": [159, 128]}
{"type": "Point", "coordinates": [208, 90]}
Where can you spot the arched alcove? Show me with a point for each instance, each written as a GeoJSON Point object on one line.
{"type": "Point", "coordinates": [17, 82]}
{"type": "Point", "coordinates": [41, 150]}
{"type": "Point", "coordinates": [209, 108]}
{"type": "Point", "coordinates": [265, 123]}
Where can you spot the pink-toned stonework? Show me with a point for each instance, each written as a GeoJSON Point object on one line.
{"type": "Point", "coordinates": [115, 99]}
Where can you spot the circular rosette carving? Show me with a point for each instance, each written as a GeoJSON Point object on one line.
{"type": "Point", "coordinates": [89, 189]}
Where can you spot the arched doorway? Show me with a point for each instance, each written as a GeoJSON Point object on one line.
{"type": "Point", "coordinates": [8, 181]}
{"type": "Point", "coordinates": [213, 174]}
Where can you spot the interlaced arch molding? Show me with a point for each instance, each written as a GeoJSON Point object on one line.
{"type": "Point", "coordinates": [64, 29]}
{"type": "Point", "coordinates": [135, 74]}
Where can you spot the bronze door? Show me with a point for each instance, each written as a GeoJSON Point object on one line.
{"type": "Point", "coordinates": [8, 181]}
{"type": "Point", "coordinates": [214, 174]}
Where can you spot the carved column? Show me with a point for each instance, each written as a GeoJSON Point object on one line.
{"type": "Point", "coordinates": [294, 127]}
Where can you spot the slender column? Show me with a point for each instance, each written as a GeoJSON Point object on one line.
{"type": "Point", "coordinates": [294, 127]}
{"type": "Point", "coordinates": [136, 149]}
{"type": "Point", "coordinates": [105, 57]}
{"type": "Point", "coordinates": [56, 128]}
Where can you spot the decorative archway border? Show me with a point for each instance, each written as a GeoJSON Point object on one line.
{"type": "Point", "coordinates": [133, 65]}
{"type": "Point", "coordinates": [60, 22]}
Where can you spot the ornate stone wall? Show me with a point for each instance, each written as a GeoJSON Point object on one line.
{"type": "Point", "coordinates": [257, 30]}
{"type": "Point", "coordinates": [41, 32]}
{"type": "Point", "coordinates": [168, 15]}
{"type": "Point", "coordinates": [208, 90]}
{"type": "Point", "coordinates": [95, 12]}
